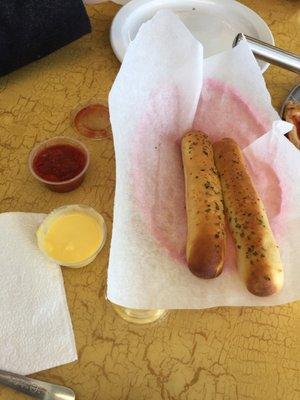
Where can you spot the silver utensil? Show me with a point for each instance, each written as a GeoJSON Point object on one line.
{"type": "Point", "coordinates": [34, 388]}
{"type": "Point", "coordinates": [271, 54]}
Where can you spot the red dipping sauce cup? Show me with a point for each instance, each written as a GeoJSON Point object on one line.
{"type": "Point", "coordinates": [60, 163]}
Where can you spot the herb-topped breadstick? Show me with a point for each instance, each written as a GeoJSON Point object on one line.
{"type": "Point", "coordinates": [258, 255]}
{"type": "Point", "coordinates": [205, 249]}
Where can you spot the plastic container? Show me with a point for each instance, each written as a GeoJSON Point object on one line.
{"type": "Point", "coordinates": [60, 154]}
{"type": "Point", "coordinates": [91, 120]}
{"type": "Point", "coordinates": [57, 216]}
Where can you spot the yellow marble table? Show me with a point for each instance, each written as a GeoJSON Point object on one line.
{"type": "Point", "coordinates": [222, 353]}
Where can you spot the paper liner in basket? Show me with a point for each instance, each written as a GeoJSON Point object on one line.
{"type": "Point", "coordinates": [164, 88]}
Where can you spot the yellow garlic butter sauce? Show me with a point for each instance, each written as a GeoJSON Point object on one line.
{"type": "Point", "coordinates": [72, 237]}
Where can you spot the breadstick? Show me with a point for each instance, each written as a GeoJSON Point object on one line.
{"type": "Point", "coordinates": [205, 249]}
{"type": "Point", "coordinates": [258, 255]}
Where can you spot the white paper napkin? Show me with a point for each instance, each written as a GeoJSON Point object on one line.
{"type": "Point", "coordinates": [36, 330]}
{"type": "Point", "coordinates": [152, 103]}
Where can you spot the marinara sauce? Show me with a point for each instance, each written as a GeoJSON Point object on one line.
{"type": "Point", "coordinates": [60, 166]}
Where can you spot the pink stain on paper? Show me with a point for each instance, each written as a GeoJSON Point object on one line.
{"type": "Point", "coordinates": [157, 173]}
{"type": "Point", "coordinates": [222, 112]}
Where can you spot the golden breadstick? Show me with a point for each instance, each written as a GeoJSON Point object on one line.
{"type": "Point", "coordinates": [259, 260]}
{"type": "Point", "coordinates": [205, 250]}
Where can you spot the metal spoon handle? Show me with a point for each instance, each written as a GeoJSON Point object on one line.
{"type": "Point", "coordinates": [34, 388]}
{"type": "Point", "coordinates": [273, 55]}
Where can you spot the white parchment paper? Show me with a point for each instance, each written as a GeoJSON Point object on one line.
{"type": "Point", "coordinates": [164, 88]}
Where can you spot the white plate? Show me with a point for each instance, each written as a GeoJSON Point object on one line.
{"type": "Point", "coordinates": [214, 22]}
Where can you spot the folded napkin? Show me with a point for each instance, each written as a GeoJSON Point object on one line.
{"type": "Point", "coordinates": [32, 29]}
{"type": "Point", "coordinates": [164, 88]}
{"type": "Point", "coordinates": [36, 330]}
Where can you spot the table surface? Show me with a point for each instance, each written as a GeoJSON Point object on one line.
{"type": "Point", "coordinates": [221, 353]}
